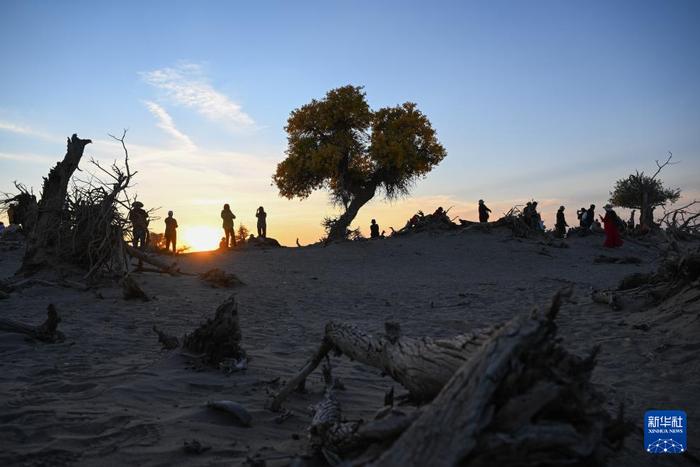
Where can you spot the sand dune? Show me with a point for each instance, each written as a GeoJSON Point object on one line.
{"type": "Point", "coordinates": [109, 396]}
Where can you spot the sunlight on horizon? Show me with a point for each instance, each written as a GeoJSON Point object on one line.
{"type": "Point", "coordinates": [200, 238]}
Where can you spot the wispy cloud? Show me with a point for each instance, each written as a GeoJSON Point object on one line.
{"type": "Point", "coordinates": [166, 123]}
{"type": "Point", "coordinates": [23, 130]}
{"type": "Point", "coordinates": [187, 85]}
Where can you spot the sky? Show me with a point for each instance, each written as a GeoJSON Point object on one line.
{"type": "Point", "coordinates": [545, 100]}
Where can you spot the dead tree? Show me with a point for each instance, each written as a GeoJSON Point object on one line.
{"type": "Point", "coordinates": [45, 332]}
{"type": "Point", "coordinates": [521, 399]}
{"type": "Point", "coordinates": [77, 228]}
{"type": "Point", "coordinates": [43, 237]}
{"type": "Point", "coordinates": [422, 365]}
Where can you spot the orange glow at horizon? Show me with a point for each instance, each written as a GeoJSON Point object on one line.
{"type": "Point", "coordinates": [200, 238]}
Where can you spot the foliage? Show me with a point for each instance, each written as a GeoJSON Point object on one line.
{"type": "Point", "coordinates": [340, 144]}
{"type": "Point", "coordinates": [629, 192]}
{"type": "Point", "coordinates": [242, 234]}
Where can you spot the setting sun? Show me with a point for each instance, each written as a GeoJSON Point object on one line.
{"type": "Point", "coordinates": [201, 238]}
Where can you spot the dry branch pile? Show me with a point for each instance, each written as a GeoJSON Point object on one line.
{"type": "Point", "coordinates": [518, 399]}
{"type": "Point", "coordinates": [78, 227]}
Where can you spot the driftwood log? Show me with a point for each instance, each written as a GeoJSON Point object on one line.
{"type": "Point", "coordinates": [169, 268]}
{"type": "Point", "coordinates": [219, 338]}
{"type": "Point", "coordinates": [422, 366]}
{"type": "Point", "coordinates": [520, 400]}
{"type": "Point", "coordinates": [45, 332]}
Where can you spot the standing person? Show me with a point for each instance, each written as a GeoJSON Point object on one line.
{"type": "Point", "coordinates": [262, 222]}
{"type": "Point", "coordinates": [536, 219]}
{"type": "Point", "coordinates": [483, 211]}
{"type": "Point", "coordinates": [612, 233]}
{"type": "Point", "coordinates": [139, 224]}
{"type": "Point", "coordinates": [590, 217]}
{"type": "Point", "coordinates": [171, 232]}
{"type": "Point", "coordinates": [581, 216]}
{"type": "Point", "coordinates": [561, 224]}
{"type": "Point", "coordinates": [374, 229]}
{"type": "Point", "coordinates": [228, 218]}
{"type": "Point", "coordinates": [630, 223]}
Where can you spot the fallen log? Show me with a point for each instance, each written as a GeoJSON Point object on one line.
{"type": "Point", "coordinates": [171, 269]}
{"type": "Point", "coordinates": [422, 366]}
{"type": "Point", "coordinates": [45, 332]}
{"type": "Point", "coordinates": [521, 399]}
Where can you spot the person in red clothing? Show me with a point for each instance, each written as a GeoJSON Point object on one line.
{"type": "Point", "coordinates": [612, 232]}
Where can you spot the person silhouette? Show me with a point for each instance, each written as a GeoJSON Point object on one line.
{"type": "Point", "coordinates": [171, 232]}
{"type": "Point", "coordinates": [262, 222]}
{"type": "Point", "coordinates": [227, 224]}
{"type": "Point", "coordinates": [139, 224]}
{"type": "Point", "coordinates": [483, 211]}
{"type": "Point", "coordinates": [374, 229]}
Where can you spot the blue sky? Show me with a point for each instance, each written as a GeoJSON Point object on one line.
{"type": "Point", "coordinates": [547, 99]}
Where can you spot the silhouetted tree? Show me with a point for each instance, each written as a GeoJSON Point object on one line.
{"type": "Point", "coordinates": [340, 144]}
{"type": "Point", "coordinates": [242, 234]}
{"type": "Point", "coordinates": [644, 192]}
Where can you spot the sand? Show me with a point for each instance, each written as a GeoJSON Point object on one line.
{"type": "Point", "coordinates": [109, 395]}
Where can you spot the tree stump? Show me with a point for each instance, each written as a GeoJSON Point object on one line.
{"type": "Point", "coordinates": [219, 338]}
{"type": "Point", "coordinates": [45, 332]}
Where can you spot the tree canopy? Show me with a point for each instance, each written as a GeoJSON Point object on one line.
{"type": "Point", "coordinates": [643, 192]}
{"type": "Point", "coordinates": [338, 143]}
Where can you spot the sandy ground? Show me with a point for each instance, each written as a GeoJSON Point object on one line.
{"type": "Point", "coordinates": [109, 396]}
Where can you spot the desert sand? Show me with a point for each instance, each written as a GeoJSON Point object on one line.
{"type": "Point", "coordinates": [109, 395]}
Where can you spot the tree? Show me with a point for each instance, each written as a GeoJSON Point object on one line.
{"type": "Point", "coordinates": [340, 144]}
{"type": "Point", "coordinates": [644, 192]}
{"type": "Point", "coordinates": [242, 234]}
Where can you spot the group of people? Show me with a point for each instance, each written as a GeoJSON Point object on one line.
{"type": "Point", "coordinates": [139, 219]}
{"type": "Point", "coordinates": [612, 224]}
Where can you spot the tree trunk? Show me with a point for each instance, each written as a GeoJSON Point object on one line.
{"type": "Point", "coordinates": [42, 242]}
{"type": "Point", "coordinates": [422, 366]}
{"type": "Point", "coordinates": [340, 226]}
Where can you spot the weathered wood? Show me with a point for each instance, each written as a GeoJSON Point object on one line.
{"type": "Point", "coordinates": [45, 332]}
{"type": "Point", "coordinates": [42, 237]}
{"type": "Point", "coordinates": [132, 290]}
{"type": "Point", "coordinates": [171, 268]}
{"type": "Point", "coordinates": [520, 400]}
{"type": "Point", "coordinates": [219, 338]}
{"type": "Point", "coordinates": [422, 366]}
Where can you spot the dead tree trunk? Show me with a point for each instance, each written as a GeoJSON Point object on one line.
{"type": "Point", "coordinates": [46, 332]}
{"type": "Point", "coordinates": [422, 365]}
{"type": "Point", "coordinates": [520, 400]}
{"type": "Point", "coordinates": [43, 238]}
